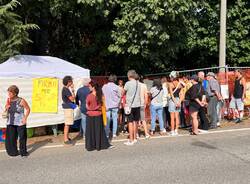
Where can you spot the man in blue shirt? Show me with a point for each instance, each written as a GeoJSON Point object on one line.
{"type": "Point", "coordinates": [81, 96]}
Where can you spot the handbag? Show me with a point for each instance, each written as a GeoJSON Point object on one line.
{"type": "Point", "coordinates": [5, 114]}
{"type": "Point", "coordinates": [127, 108]}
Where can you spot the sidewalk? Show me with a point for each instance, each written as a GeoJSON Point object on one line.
{"type": "Point", "coordinates": [35, 143]}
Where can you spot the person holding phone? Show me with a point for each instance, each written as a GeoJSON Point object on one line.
{"type": "Point", "coordinates": [68, 98]}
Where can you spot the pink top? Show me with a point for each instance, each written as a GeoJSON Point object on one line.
{"type": "Point", "coordinates": [93, 109]}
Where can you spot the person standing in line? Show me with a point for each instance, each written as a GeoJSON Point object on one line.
{"type": "Point", "coordinates": [214, 94]}
{"type": "Point", "coordinates": [195, 95]}
{"type": "Point", "coordinates": [156, 107]}
{"type": "Point", "coordinates": [188, 84]}
{"type": "Point", "coordinates": [121, 115]}
{"type": "Point", "coordinates": [166, 96]}
{"type": "Point", "coordinates": [144, 103]}
{"type": "Point", "coordinates": [95, 138]}
{"type": "Point", "coordinates": [18, 111]}
{"type": "Point", "coordinates": [175, 90]}
{"type": "Point", "coordinates": [68, 98]}
{"type": "Point", "coordinates": [220, 106]}
{"type": "Point", "coordinates": [183, 123]}
{"type": "Point", "coordinates": [81, 96]}
{"type": "Point", "coordinates": [133, 105]}
{"type": "Point", "coordinates": [204, 122]}
{"type": "Point", "coordinates": [112, 95]}
{"type": "Point", "coordinates": [203, 80]}
{"type": "Point", "coordinates": [238, 97]}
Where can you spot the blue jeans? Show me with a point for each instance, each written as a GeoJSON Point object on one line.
{"type": "Point", "coordinates": [156, 111]}
{"type": "Point", "coordinates": [114, 113]}
{"type": "Point", "coordinates": [83, 124]}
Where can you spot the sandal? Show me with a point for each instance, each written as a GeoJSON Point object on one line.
{"type": "Point", "coordinates": [193, 133]}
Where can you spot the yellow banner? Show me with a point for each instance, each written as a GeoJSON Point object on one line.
{"type": "Point", "coordinates": [247, 100]}
{"type": "Point", "coordinates": [45, 95]}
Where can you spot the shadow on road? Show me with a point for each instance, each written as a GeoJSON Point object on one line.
{"type": "Point", "coordinates": [38, 144]}
{"type": "Point", "coordinates": [203, 145]}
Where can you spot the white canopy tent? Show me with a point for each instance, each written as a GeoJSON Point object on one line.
{"type": "Point", "coordinates": [21, 69]}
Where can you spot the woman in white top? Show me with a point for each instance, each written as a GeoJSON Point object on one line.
{"type": "Point", "coordinates": [156, 107]}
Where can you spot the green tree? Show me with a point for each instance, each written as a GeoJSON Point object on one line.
{"type": "Point", "coordinates": [13, 32]}
{"type": "Point", "coordinates": [204, 37]}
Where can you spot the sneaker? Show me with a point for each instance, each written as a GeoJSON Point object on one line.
{"type": "Point", "coordinates": [147, 136]}
{"type": "Point", "coordinates": [67, 143]}
{"type": "Point", "coordinates": [164, 131]}
{"type": "Point", "coordinates": [111, 147]}
{"type": "Point", "coordinates": [128, 143]}
{"type": "Point", "coordinates": [202, 131]}
{"type": "Point", "coordinates": [137, 136]}
{"type": "Point", "coordinates": [135, 141]}
{"type": "Point", "coordinates": [172, 133]}
{"type": "Point", "coordinates": [176, 132]}
{"type": "Point", "coordinates": [25, 155]}
{"type": "Point", "coordinates": [237, 120]}
{"type": "Point", "coordinates": [212, 127]}
{"type": "Point", "coordinates": [114, 135]}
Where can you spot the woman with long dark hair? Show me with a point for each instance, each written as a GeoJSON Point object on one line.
{"type": "Point", "coordinates": [95, 138]}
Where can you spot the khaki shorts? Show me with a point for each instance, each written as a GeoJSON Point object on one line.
{"type": "Point", "coordinates": [68, 116]}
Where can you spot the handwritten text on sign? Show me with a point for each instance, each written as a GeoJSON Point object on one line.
{"type": "Point", "coordinates": [45, 95]}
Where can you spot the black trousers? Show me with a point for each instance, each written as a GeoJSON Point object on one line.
{"type": "Point", "coordinates": [182, 116]}
{"type": "Point", "coordinates": [204, 122]}
{"type": "Point", "coordinates": [166, 117]}
{"type": "Point", "coordinates": [12, 134]}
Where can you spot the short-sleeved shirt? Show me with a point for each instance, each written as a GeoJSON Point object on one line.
{"type": "Point", "coordinates": [156, 96]}
{"type": "Point", "coordinates": [143, 91]}
{"type": "Point", "coordinates": [93, 108]}
{"type": "Point", "coordinates": [213, 85]}
{"type": "Point", "coordinates": [112, 94]}
{"type": "Point", "coordinates": [196, 91]}
{"type": "Point", "coordinates": [130, 88]}
{"type": "Point", "coordinates": [81, 96]}
{"type": "Point", "coordinates": [66, 93]}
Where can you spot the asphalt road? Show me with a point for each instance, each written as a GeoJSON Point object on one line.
{"type": "Point", "coordinates": [211, 158]}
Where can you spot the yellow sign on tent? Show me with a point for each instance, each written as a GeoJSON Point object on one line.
{"type": "Point", "coordinates": [45, 95]}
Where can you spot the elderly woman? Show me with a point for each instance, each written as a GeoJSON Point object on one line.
{"type": "Point", "coordinates": [18, 111]}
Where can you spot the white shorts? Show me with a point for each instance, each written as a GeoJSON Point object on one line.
{"type": "Point", "coordinates": [237, 103]}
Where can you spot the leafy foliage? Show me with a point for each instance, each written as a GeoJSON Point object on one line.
{"type": "Point", "coordinates": [116, 35]}
{"type": "Point", "coordinates": [13, 33]}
